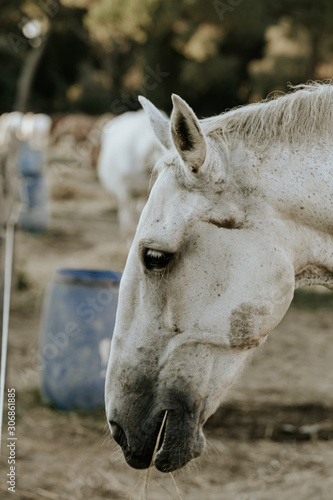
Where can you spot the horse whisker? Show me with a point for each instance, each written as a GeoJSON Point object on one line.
{"type": "Point", "coordinates": [154, 455]}
{"type": "Point", "coordinates": [176, 486]}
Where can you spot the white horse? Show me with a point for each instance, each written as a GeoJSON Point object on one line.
{"type": "Point", "coordinates": [241, 214]}
{"type": "Point", "coordinates": [129, 151]}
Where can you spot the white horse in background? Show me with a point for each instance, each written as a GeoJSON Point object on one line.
{"type": "Point", "coordinates": [240, 215]}
{"type": "Point", "coordinates": [128, 153]}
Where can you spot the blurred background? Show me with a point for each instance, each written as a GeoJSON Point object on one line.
{"type": "Point", "coordinates": [69, 68]}
{"type": "Point", "coordinates": [97, 56]}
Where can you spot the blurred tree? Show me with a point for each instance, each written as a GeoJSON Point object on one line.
{"type": "Point", "coordinates": [185, 46]}
{"type": "Point", "coordinates": [317, 18]}
{"type": "Point", "coordinates": [98, 55]}
{"type": "Point", "coordinates": [27, 33]}
{"type": "Point", "coordinates": [286, 58]}
{"type": "Point", "coordinates": [10, 59]}
{"type": "Point", "coordinates": [42, 47]}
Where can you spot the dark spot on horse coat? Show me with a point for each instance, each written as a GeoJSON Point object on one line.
{"type": "Point", "coordinates": [244, 326]}
{"type": "Point", "coordinates": [177, 330]}
{"type": "Point", "coordinates": [182, 130]}
{"type": "Point", "coordinates": [229, 223]}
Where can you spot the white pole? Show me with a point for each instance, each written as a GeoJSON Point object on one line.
{"type": "Point", "coordinates": [9, 250]}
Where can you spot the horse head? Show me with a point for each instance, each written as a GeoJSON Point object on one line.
{"type": "Point", "coordinates": [209, 274]}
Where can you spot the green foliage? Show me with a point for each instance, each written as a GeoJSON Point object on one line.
{"type": "Point", "coordinates": [218, 54]}
{"type": "Point", "coordinates": [136, 20]}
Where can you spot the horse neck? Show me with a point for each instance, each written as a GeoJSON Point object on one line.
{"type": "Point", "coordinates": [298, 188]}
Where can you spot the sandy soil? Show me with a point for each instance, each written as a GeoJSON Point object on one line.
{"type": "Point", "coordinates": [270, 440]}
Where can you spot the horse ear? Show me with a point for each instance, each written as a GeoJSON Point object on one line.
{"type": "Point", "coordinates": [160, 124]}
{"type": "Point", "coordinates": [187, 134]}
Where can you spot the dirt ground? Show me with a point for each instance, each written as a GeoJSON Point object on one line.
{"type": "Point", "coordinates": [271, 440]}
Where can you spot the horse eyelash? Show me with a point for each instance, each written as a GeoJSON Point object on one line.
{"type": "Point", "coordinates": [162, 275]}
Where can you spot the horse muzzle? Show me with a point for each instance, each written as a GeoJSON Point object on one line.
{"type": "Point", "coordinates": [180, 440]}
{"type": "Point", "coordinates": [183, 440]}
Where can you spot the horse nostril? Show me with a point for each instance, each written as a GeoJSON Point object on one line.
{"type": "Point", "coordinates": [117, 433]}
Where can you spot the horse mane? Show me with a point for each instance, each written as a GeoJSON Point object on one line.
{"type": "Point", "coordinates": [303, 115]}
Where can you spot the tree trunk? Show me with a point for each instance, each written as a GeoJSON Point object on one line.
{"type": "Point", "coordinates": [27, 75]}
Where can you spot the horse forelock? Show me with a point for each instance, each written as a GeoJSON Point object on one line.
{"type": "Point", "coordinates": [303, 116]}
{"type": "Point", "coordinates": [210, 177]}
{"type": "Point", "coordinates": [171, 160]}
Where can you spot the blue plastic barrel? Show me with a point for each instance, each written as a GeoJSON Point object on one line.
{"type": "Point", "coordinates": [34, 197]}
{"type": "Point", "coordinates": [30, 161]}
{"type": "Point", "coordinates": [76, 331]}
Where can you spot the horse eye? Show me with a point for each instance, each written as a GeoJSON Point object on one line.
{"type": "Point", "coordinates": [155, 260]}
